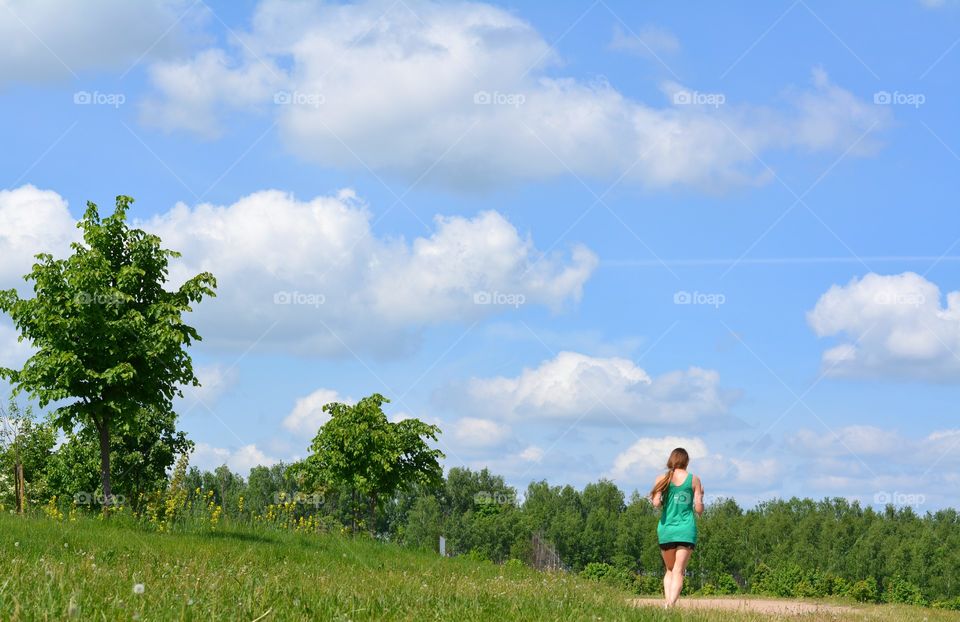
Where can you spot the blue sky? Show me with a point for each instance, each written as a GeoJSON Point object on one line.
{"type": "Point", "coordinates": [727, 227]}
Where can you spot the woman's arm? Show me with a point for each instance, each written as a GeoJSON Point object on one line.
{"type": "Point", "coordinates": [657, 499]}
{"type": "Point", "coordinates": [697, 495]}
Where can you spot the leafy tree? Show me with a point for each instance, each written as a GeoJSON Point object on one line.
{"type": "Point", "coordinates": [28, 443]}
{"type": "Point", "coordinates": [361, 449]}
{"type": "Point", "coordinates": [140, 458]}
{"type": "Point", "coordinates": [107, 335]}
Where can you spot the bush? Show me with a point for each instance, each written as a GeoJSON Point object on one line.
{"type": "Point", "coordinates": [953, 604]}
{"type": "Point", "coordinates": [901, 591]}
{"type": "Point", "coordinates": [726, 585]}
{"type": "Point", "coordinates": [865, 590]}
{"type": "Point", "coordinates": [648, 584]}
{"type": "Point", "coordinates": [605, 573]}
{"type": "Point", "coordinates": [513, 563]}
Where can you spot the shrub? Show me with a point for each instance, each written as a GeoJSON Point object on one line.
{"type": "Point", "coordinates": [726, 585]}
{"type": "Point", "coordinates": [901, 591]}
{"type": "Point", "coordinates": [865, 590]}
{"type": "Point", "coordinates": [648, 584]}
{"type": "Point", "coordinates": [605, 573]}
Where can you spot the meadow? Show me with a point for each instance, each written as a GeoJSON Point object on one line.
{"type": "Point", "coordinates": [93, 569]}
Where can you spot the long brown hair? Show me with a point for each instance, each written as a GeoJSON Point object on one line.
{"type": "Point", "coordinates": [679, 459]}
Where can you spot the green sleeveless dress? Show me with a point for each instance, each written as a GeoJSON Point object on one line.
{"type": "Point", "coordinates": [677, 522]}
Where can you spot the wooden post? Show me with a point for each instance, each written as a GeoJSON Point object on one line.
{"type": "Point", "coordinates": [20, 488]}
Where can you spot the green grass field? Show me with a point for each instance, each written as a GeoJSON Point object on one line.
{"type": "Point", "coordinates": [89, 570]}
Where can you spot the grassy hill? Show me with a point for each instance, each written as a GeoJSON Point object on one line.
{"type": "Point", "coordinates": [91, 569]}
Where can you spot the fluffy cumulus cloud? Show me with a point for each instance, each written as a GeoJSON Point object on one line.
{"type": "Point", "coordinates": [890, 326]}
{"type": "Point", "coordinates": [50, 39]}
{"type": "Point", "coordinates": [472, 432]}
{"type": "Point", "coordinates": [315, 278]}
{"type": "Point", "coordinates": [32, 221]}
{"type": "Point", "coordinates": [465, 94]}
{"type": "Point", "coordinates": [240, 460]}
{"type": "Point", "coordinates": [574, 386]}
{"type": "Point", "coordinates": [646, 458]}
{"type": "Point", "coordinates": [308, 416]}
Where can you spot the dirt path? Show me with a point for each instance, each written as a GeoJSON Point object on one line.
{"type": "Point", "coordinates": [756, 605]}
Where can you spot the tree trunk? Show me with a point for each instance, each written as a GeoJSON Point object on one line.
{"type": "Point", "coordinates": [373, 513]}
{"type": "Point", "coordinates": [103, 429]}
{"type": "Point", "coordinates": [20, 488]}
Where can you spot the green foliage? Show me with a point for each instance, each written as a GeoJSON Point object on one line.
{"type": "Point", "coordinates": [360, 449]}
{"type": "Point", "coordinates": [865, 590]}
{"type": "Point", "coordinates": [140, 458]}
{"type": "Point", "coordinates": [900, 591]}
{"type": "Point", "coordinates": [611, 575]}
{"type": "Point", "coordinates": [31, 443]}
{"type": "Point", "coordinates": [109, 339]}
{"type": "Point", "coordinates": [424, 524]}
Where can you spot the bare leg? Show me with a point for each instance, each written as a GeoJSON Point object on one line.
{"type": "Point", "coordinates": [679, 569]}
{"type": "Point", "coordinates": [669, 561]}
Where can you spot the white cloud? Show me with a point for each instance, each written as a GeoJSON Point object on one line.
{"type": "Point", "coordinates": [646, 458]}
{"type": "Point", "coordinates": [214, 379]}
{"type": "Point", "coordinates": [472, 432]}
{"type": "Point", "coordinates": [307, 416]}
{"type": "Point", "coordinates": [32, 221]}
{"type": "Point", "coordinates": [319, 274]}
{"type": "Point", "coordinates": [532, 453]}
{"type": "Point", "coordinates": [462, 91]}
{"type": "Point", "coordinates": [240, 460]}
{"type": "Point", "coordinates": [890, 326]}
{"type": "Point", "coordinates": [604, 390]}
{"type": "Point", "coordinates": [649, 455]}
{"type": "Point", "coordinates": [313, 277]}
{"type": "Point", "coordinates": [651, 41]}
{"type": "Point", "coordinates": [49, 39]}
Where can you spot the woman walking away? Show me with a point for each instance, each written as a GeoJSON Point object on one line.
{"type": "Point", "coordinates": [679, 494]}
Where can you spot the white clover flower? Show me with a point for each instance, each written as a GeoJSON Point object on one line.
{"type": "Point", "coordinates": [138, 588]}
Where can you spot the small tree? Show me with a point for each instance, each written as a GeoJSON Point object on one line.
{"type": "Point", "coordinates": [360, 449]}
{"type": "Point", "coordinates": [107, 335]}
